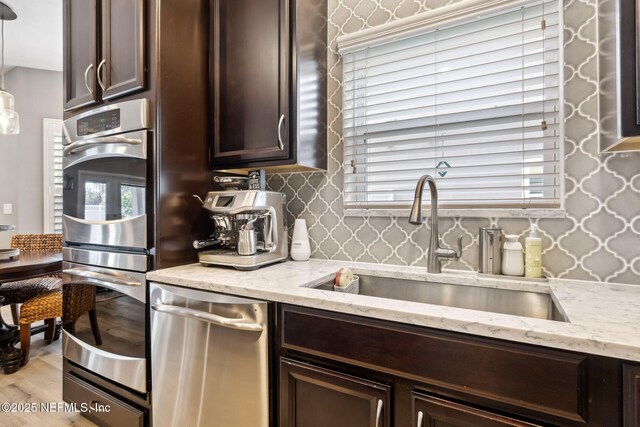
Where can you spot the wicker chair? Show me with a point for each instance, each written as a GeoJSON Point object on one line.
{"type": "Point", "coordinates": [47, 307]}
{"type": "Point", "coordinates": [21, 291]}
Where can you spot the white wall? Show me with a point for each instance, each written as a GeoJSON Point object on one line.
{"type": "Point", "coordinates": [38, 95]}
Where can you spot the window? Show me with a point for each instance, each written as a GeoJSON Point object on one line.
{"type": "Point", "coordinates": [52, 143]}
{"type": "Point", "coordinates": [471, 98]}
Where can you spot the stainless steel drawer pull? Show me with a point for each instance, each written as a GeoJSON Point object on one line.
{"type": "Point", "coordinates": [101, 277]}
{"type": "Point", "coordinates": [207, 317]}
{"type": "Point", "coordinates": [85, 145]}
{"type": "Point", "coordinates": [100, 65]}
{"type": "Point", "coordinates": [420, 419]}
{"type": "Point", "coordinates": [379, 412]}
{"type": "Point", "coordinates": [86, 82]}
{"type": "Point", "coordinates": [280, 142]}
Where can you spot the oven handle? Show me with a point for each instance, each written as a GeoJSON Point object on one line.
{"type": "Point", "coordinates": [207, 317]}
{"type": "Point", "coordinates": [86, 144]}
{"type": "Point", "coordinates": [101, 278]}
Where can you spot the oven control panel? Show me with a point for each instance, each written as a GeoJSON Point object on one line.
{"type": "Point", "coordinates": [99, 123]}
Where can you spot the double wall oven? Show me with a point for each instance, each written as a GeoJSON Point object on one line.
{"type": "Point", "coordinates": [107, 206]}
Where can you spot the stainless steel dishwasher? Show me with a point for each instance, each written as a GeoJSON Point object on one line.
{"type": "Point", "coordinates": [209, 359]}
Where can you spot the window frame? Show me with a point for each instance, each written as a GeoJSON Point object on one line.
{"type": "Point", "coordinates": [450, 15]}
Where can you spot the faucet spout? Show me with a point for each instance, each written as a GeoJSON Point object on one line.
{"type": "Point", "coordinates": [415, 217]}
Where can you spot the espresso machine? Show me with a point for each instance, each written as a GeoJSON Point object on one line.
{"type": "Point", "coordinates": [250, 229]}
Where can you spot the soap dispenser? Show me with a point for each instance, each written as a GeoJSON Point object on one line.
{"type": "Point", "coordinates": [512, 259]}
{"type": "Point", "coordinates": [533, 254]}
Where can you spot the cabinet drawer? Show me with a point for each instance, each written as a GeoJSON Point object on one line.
{"type": "Point", "coordinates": [429, 411]}
{"type": "Point", "coordinates": [119, 414]}
{"type": "Point", "coordinates": [543, 381]}
{"type": "Point", "coordinates": [311, 396]}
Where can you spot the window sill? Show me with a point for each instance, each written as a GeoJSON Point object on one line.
{"type": "Point", "coordinates": [463, 213]}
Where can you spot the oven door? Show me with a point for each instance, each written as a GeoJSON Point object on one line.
{"type": "Point", "coordinates": [120, 298]}
{"type": "Point", "coordinates": [105, 191]}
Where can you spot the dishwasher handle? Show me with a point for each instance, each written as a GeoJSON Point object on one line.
{"type": "Point", "coordinates": [226, 322]}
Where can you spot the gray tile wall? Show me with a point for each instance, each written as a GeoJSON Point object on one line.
{"type": "Point", "coordinates": [599, 239]}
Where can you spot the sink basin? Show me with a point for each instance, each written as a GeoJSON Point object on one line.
{"type": "Point", "coordinates": [538, 305]}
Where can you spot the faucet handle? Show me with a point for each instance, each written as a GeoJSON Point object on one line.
{"type": "Point", "coordinates": [459, 251]}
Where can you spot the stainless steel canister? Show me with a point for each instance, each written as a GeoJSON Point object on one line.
{"type": "Point", "coordinates": [490, 254]}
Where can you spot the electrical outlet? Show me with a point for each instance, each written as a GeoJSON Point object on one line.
{"type": "Point", "coordinates": [7, 209]}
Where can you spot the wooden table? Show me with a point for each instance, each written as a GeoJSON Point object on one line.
{"type": "Point", "coordinates": [29, 265]}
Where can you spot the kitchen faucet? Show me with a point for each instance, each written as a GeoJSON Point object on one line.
{"type": "Point", "coordinates": [436, 253]}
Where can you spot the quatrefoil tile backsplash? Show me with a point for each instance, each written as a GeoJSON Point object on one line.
{"type": "Point", "coordinates": [598, 240]}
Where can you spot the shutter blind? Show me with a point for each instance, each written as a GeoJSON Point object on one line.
{"type": "Point", "coordinates": [476, 104]}
{"type": "Point", "coordinates": [53, 175]}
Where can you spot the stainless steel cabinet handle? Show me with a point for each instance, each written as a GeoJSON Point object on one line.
{"type": "Point", "coordinates": [86, 82]}
{"type": "Point", "coordinates": [280, 142]}
{"type": "Point", "coordinates": [102, 86]}
{"type": "Point", "coordinates": [420, 419]}
{"type": "Point", "coordinates": [85, 145]}
{"type": "Point", "coordinates": [207, 317]}
{"type": "Point", "coordinates": [94, 276]}
{"type": "Point", "coordinates": [379, 412]}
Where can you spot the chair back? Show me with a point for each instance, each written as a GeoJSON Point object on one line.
{"type": "Point", "coordinates": [77, 300]}
{"type": "Point", "coordinates": [37, 242]}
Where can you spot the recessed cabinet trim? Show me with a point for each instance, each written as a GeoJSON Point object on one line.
{"type": "Point", "coordinates": [80, 78]}
{"type": "Point", "coordinates": [631, 396]}
{"type": "Point", "coordinates": [111, 87]}
{"type": "Point", "coordinates": [337, 386]}
{"type": "Point", "coordinates": [254, 147]}
{"type": "Point", "coordinates": [430, 411]}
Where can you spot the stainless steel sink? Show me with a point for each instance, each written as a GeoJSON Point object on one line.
{"type": "Point", "coordinates": [538, 305]}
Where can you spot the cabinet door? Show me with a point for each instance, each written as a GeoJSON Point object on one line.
{"type": "Point", "coordinates": [631, 396]}
{"type": "Point", "coordinates": [431, 411]}
{"type": "Point", "coordinates": [80, 45]}
{"type": "Point", "coordinates": [121, 68]}
{"type": "Point", "coordinates": [316, 397]}
{"type": "Point", "coordinates": [249, 72]}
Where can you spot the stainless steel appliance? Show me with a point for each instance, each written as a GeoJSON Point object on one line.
{"type": "Point", "coordinates": [250, 229]}
{"type": "Point", "coordinates": [108, 206]}
{"type": "Point", "coordinates": [490, 254]}
{"type": "Point", "coordinates": [105, 176]}
{"type": "Point", "coordinates": [210, 354]}
{"type": "Point", "coordinates": [120, 308]}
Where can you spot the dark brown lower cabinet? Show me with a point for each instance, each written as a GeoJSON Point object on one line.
{"type": "Point", "coordinates": [315, 397]}
{"type": "Point", "coordinates": [631, 396]}
{"type": "Point", "coordinates": [430, 411]}
{"type": "Point", "coordinates": [452, 379]}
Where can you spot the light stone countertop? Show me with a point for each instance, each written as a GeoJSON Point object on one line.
{"type": "Point", "coordinates": [604, 319]}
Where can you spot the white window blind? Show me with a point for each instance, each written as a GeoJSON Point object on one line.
{"type": "Point", "coordinates": [52, 140]}
{"type": "Point", "coordinates": [475, 103]}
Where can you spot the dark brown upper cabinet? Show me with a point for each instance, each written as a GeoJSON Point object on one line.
{"type": "Point", "coordinates": [104, 54]}
{"type": "Point", "coordinates": [619, 73]}
{"type": "Point", "coordinates": [80, 53]}
{"type": "Point", "coordinates": [268, 85]}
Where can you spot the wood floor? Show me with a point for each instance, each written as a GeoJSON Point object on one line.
{"type": "Point", "coordinates": [38, 382]}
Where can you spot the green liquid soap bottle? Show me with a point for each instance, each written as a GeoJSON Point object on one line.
{"type": "Point", "coordinates": [533, 254]}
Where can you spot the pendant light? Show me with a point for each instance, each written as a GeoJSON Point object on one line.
{"type": "Point", "coordinates": [9, 119]}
